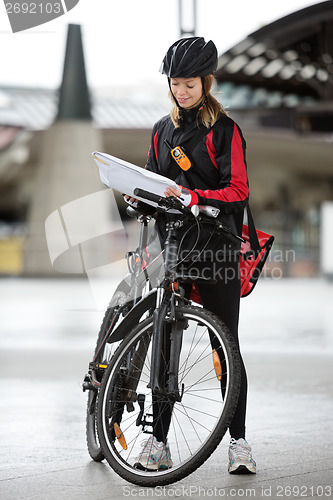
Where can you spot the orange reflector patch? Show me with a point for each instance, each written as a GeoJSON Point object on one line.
{"type": "Point", "coordinates": [120, 436]}
{"type": "Point", "coordinates": [102, 366]}
{"type": "Point", "coordinates": [217, 365]}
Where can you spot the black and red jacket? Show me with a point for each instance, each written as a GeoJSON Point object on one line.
{"type": "Point", "coordinates": [218, 175]}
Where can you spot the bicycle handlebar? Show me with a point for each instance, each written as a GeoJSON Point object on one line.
{"type": "Point", "coordinates": [147, 195]}
{"type": "Point", "coordinates": [166, 202]}
{"type": "Point", "coordinates": [173, 203]}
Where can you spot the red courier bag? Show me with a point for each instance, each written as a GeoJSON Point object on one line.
{"type": "Point", "coordinates": [253, 255]}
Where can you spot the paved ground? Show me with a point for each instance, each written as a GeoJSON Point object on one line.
{"type": "Point", "coordinates": [48, 330]}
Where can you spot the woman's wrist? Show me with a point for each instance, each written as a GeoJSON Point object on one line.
{"type": "Point", "coordinates": [189, 198]}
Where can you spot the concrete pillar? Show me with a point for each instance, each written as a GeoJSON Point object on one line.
{"type": "Point", "coordinates": [66, 173]}
{"type": "Point", "coordinates": [71, 215]}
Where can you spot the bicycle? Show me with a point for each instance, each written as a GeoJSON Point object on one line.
{"type": "Point", "coordinates": [172, 361]}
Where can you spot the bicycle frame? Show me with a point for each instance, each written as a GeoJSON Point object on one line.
{"type": "Point", "coordinates": [162, 299]}
{"type": "Point", "coordinates": [165, 301]}
{"type": "Point", "coordinates": [167, 296]}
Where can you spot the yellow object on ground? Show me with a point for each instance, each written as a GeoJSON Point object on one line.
{"type": "Point", "coordinates": [11, 255]}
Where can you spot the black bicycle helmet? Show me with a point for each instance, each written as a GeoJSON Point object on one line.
{"type": "Point", "coordinates": [190, 57]}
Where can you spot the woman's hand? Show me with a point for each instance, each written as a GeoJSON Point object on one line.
{"type": "Point", "coordinates": [170, 191]}
{"type": "Point", "coordinates": [128, 199]}
{"type": "Point", "coordinates": [187, 197]}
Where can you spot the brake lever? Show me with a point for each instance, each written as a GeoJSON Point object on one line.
{"type": "Point", "coordinates": [229, 234]}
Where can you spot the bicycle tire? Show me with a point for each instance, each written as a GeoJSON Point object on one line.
{"type": "Point", "coordinates": [108, 325]}
{"type": "Point", "coordinates": [94, 448]}
{"type": "Point", "coordinates": [201, 441]}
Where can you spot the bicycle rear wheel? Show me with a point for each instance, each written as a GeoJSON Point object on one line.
{"type": "Point", "coordinates": [104, 352]}
{"type": "Point", "coordinates": [103, 356]}
{"type": "Point", "coordinates": [209, 383]}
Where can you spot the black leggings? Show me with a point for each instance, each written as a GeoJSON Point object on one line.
{"type": "Point", "coordinates": [221, 298]}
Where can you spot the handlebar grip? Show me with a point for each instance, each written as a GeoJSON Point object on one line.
{"type": "Point", "coordinates": [141, 193]}
{"type": "Point", "coordinates": [167, 203]}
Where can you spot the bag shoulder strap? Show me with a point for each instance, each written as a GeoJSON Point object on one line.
{"type": "Point", "coordinates": [255, 245]}
{"type": "Point", "coordinates": [193, 142]}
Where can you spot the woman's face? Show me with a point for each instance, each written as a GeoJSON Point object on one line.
{"type": "Point", "coordinates": [187, 91]}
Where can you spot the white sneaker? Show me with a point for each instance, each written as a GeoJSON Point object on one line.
{"type": "Point", "coordinates": [155, 455]}
{"type": "Point", "coordinates": [240, 458]}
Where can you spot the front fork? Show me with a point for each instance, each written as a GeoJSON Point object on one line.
{"type": "Point", "coordinates": [164, 315]}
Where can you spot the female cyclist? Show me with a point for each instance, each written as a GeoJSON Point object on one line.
{"type": "Point", "coordinates": [217, 176]}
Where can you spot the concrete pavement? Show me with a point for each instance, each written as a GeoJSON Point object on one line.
{"type": "Point", "coordinates": [48, 331]}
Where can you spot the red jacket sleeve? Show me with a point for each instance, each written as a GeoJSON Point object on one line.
{"type": "Point", "coordinates": [227, 153]}
{"type": "Point", "coordinates": [152, 160]}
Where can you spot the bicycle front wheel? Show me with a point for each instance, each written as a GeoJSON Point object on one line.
{"type": "Point", "coordinates": [209, 383]}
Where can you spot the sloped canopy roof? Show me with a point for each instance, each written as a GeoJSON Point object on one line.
{"type": "Point", "coordinates": [292, 54]}
{"type": "Point", "coordinates": [36, 109]}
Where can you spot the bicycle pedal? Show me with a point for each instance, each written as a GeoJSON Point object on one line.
{"type": "Point", "coordinates": [130, 407]}
{"type": "Point", "coordinates": [97, 366]}
{"type": "Point", "coordinates": [87, 384]}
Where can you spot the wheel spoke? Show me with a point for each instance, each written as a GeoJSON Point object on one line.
{"type": "Point", "coordinates": [201, 397]}
{"type": "Point", "coordinates": [193, 419]}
